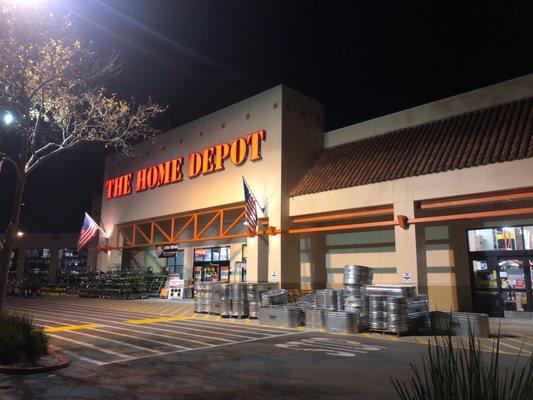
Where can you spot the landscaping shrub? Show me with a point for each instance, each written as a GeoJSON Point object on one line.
{"type": "Point", "coordinates": [21, 339]}
{"type": "Point", "coordinates": [463, 372]}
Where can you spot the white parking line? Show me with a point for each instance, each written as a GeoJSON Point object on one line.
{"type": "Point", "coordinates": [243, 327]}
{"type": "Point", "coordinates": [502, 343]}
{"type": "Point", "coordinates": [524, 341]}
{"type": "Point", "coordinates": [113, 323]}
{"type": "Point", "coordinates": [114, 353]}
{"type": "Point", "coordinates": [78, 356]}
{"type": "Point", "coordinates": [159, 324]}
{"type": "Point", "coordinates": [187, 325]}
{"type": "Point", "coordinates": [203, 348]}
{"type": "Point", "coordinates": [107, 339]}
{"type": "Point", "coordinates": [222, 327]}
{"type": "Point", "coordinates": [141, 338]}
{"type": "Point", "coordinates": [177, 346]}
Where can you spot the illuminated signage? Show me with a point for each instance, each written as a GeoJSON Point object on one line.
{"type": "Point", "coordinates": [211, 159]}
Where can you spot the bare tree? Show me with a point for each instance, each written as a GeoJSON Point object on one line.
{"type": "Point", "coordinates": [50, 86]}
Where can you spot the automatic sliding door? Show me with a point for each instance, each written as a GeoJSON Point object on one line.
{"type": "Point", "coordinates": [486, 287]}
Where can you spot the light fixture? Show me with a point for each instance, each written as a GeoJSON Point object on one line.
{"type": "Point", "coordinates": [20, 234]}
{"type": "Point", "coordinates": [8, 118]}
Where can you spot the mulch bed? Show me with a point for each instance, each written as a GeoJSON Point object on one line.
{"type": "Point", "coordinates": [51, 362]}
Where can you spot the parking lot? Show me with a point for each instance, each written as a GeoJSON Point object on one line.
{"type": "Point", "coordinates": [153, 349]}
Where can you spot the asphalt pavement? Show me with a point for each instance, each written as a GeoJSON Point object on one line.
{"type": "Point", "coordinates": [162, 350]}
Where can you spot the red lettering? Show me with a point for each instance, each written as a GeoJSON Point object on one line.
{"type": "Point", "coordinates": [118, 187]}
{"type": "Point", "coordinates": [127, 184]}
{"type": "Point", "coordinates": [221, 153]}
{"type": "Point", "coordinates": [254, 140]}
{"type": "Point", "coordinates": [109, 188]}
{"type": "Point", "coordinates": [208, 160]}
{"type": "Point", "coordinates": [195, 164]}
{"type": "Point", "coordinates": [152, 176]}
{"type": "Point", "coordinates": [239, 150]}
{"type": "Point", "coordinates": [176, 174]}
{"type": "Point", "coordinates": [141, 180]}
{"type": "Point", "coordinates": [163, 173]}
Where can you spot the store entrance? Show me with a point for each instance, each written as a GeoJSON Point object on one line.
{"type": "Point", "coordinates": [212, 264]}
{"type": "Point", "coordinates": [501, 262]}
{"type": "Point", "coordinates": [502, 283]}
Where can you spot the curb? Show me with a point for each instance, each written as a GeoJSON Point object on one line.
{"type": "Point", "coordinates": [63, 363]}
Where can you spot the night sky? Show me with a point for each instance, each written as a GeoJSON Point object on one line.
{"type": "Point", "coordinates": [361, 59]}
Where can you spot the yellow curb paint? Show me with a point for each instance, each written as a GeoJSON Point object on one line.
{"type": "Point", "coordinates": [154, 320]}
{"type": "Point", "coordinates": [207, 316]}
{"type": "Point", "coordinates": [218, 318]}
{"type": "Point", "coordinates": [71, 328]}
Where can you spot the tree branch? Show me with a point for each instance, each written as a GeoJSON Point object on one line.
{"type": "Point", "coordinates": [5, 157]}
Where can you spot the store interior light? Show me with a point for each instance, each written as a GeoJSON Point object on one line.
{"type": "Point", "coordinates": [245, 223]}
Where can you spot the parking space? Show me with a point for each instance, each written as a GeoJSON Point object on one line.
{"type": "Point", "coordinates": [102, 332]}
{"type": "Point", "coordinates": [100, 335]}
{"type": "Point", "coordinates": [161, 350]}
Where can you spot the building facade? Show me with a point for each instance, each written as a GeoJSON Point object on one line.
{"type": "Point", "coordinates": [439, 196]}
{"type": "Point", "coordinates": [46, 257]}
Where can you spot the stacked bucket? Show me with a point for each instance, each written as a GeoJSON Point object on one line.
{"type": "Point", "coordinates": [355, 278]}
{"type": "Point", "coordinates": [239, 301]}
{"type": "Point", "coordinates": [253, 295]}
{"type": "Point", "coordinates": [397, 309]}
{"type": "Point", "coordinates": [225, 300]}
{"type": "Point", "coordinates": [232, 299]}
{"type": "Point", "coordinates": [378, 312]}
{"type": "Point", "coordinates": [202, 297]}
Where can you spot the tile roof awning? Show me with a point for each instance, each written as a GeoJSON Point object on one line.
{"type": "Point", "coordinates": [491, 135]}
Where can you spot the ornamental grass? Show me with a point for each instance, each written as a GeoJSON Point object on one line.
{"type": "Point", "coordinates": [463, 371]}
{"type": "Point", "coordinates": [21, 340]}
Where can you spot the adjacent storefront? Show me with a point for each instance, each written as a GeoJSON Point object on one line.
{"type": "Point", "coordinates": [436, 196]}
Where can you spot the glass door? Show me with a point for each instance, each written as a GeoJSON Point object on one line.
{"type": "Point", "coordinates": [513, 283]}
{"type": "Point", "coordinates": [486, 286]}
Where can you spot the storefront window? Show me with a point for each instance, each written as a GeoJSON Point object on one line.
{"type": "Point", "coordinates": [528, 237]}
{"type": "Point", "coordinates": [175, 264]}
{"type": "Point", "coordinates": [37, 264]}
{"type": "Point", "coordinates": [512, 274]}
{"type": "Point", "coordinates": [212, 254]}
{"type": "Point", "coordinates": [72, 264]}
{"type": "Point", "coordinates": [485, 278]}
{"type": "Point", "coordinates": [13, 265]}
{"type": "Point", "coordinates": [514, 301]}
{"type": "Point", "coordinates": [487, 239]}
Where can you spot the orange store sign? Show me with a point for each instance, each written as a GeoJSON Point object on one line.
{"type": "Point", "coordinates": [210, 159]}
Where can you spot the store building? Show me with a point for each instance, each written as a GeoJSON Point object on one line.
{"type": "Point", "coordinates": [439, 196]}
{"type": "Point", "coordinates": [46, 257]}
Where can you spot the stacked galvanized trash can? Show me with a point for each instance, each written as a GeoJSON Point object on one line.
{"type": "Point", "coordinates": [358, 306]}
{"type": "Point", "coordinates": [238, 300]}
{"type": "Point", "coordinates": [397, 309]}
{"type": "Point", "coordinates": [342, 311]}
{"type": "Point", "coordinates": [362, 306]}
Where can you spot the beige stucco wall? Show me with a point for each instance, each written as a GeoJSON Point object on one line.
{"type": "Point", "coordinates": [294, 138]}
{"type": "Point", "coordinates": [486, 178]}
{"type": "Point", "coordinates": [441, 253]}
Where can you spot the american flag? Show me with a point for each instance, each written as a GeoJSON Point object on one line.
{"type": "Point", "coordinates": [88, 231]}
{"type": "Point", "coordinates": [250, 208]}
